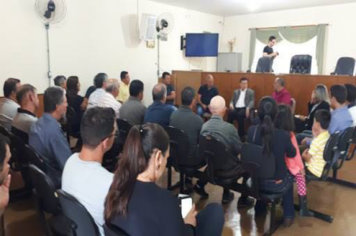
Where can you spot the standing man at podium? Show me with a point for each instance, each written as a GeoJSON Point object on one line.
{"type": "Point", "coordinates": [268, 50]}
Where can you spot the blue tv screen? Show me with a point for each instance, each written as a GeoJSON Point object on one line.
{"type": "Point", "coordinates": [202, 45]}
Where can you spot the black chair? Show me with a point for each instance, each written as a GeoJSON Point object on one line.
{"type": "Point", "coordinates": [218, 173]}
{"type": "Point", "coordinates": [264, 65]}
{"type": "Point", "coordinates": [112, 230]}
{"type": "Point", "coordinates": [179, 159]}
{"type": "Point", "coordinates": [74, 210]}
{"type": "Point", "coordinates": [301, 64]}
{"type": "Point", "coordinates": [4, 131]}
{"type": "Point", "coordinates": [352, 153]}
{"type": "Point", "coordinates": [345, 66]}
{"type": "Point", "coordinates": [34, 158]}
{"type": "Point", "coordinates": [47, 202]}
{"type": "Point", "coordinates": [72, 126]}
{"type": "Point", "coordinates": [124, 128]}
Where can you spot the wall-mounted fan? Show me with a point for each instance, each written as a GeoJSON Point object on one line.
{"type": "Point", "coordinates": [50, 12]}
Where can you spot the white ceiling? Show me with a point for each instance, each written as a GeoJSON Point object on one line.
{"type": "Point", "coordinates": [242, 7]}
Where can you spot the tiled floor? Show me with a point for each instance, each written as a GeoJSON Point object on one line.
{"type": "Point", "coordinates": [21, 218]}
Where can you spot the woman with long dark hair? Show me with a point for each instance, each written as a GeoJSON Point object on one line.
{"type": "Point", "coordinates": [277, 142]}
{"type": "Point", "coordinates": [138, 206]}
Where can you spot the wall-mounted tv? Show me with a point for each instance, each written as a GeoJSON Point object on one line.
{"type": "Point", "coordinates": [201, 45]}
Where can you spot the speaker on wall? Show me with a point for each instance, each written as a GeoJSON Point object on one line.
{"type": "Point", "coordinates": [148, 27]}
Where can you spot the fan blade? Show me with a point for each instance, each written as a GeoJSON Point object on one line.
{"type": "Point", "coordinates": [48, 14]}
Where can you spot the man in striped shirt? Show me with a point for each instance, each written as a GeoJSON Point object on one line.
{"type": "Point", "coordinates": [314, 156]}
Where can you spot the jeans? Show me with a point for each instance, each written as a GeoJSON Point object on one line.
{"type": "Point", "coordinates": [305, 134]}
{"type": "Point", "coordinates": [210, 221]}
{"type": "Point", "coordinates": [238, 114]}
{"type": "Point", "coordinates": [270, 186]}
{"type": "Point", "coordinates": [201, 111]}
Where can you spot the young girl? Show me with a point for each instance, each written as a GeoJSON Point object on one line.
{"type": "Point", "coordinates": [284, 121]}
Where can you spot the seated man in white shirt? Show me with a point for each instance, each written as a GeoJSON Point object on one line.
{"type": "Point", "coordinates": [100, 82]}
{"type": "Point", "coordinates": [83, 175]}
{"type": "Point", "coordinates": [8, 105]}
{"type": "Point", "coordinates": [108, 99]}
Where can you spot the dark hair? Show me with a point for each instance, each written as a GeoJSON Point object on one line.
{"type": "Point", "coordinates": [72, 86]}
{"type": "Point", "coordinates": [188, 95]}
{"type": "Point", "coordinates": [158, 92]}
{"type": "Point", "coordinates": [267, 111]}
{"type": "Point", "coordinates": [99, 80]}
{"type": "Point", "coordinates": [10, 86]}
{"type": "Point", "coordinates": [339, 92]}
{"type": "Point", "coordinates": [59, 80]}
{"type": "Point", "coordinates": [323, 117]}
{"type": "Point", "coordinates": [97, 124]}
{"type": "Point", "coordinates": [53, 97]}
{"type": "Point", "coordinates": [271, 38]}
{"type": "Point", "coordinates": [243, 79]}
{"type": "Point", "coordinates": [351, 93]}
{"type": "Point", "coordinates": [123, 74]}
{"type": "Point", "coordinates": [23, 91]}
{"type": "Point", "coordinates": [140, 144]}
{"type": "Point", "coordinates": [3, 142]}
{"type": "Point", "coordinates": [284, 119]}
{"type": "Point", "coordinates": [165, 74]}
{"type": "Point", "coordinates": [136, 87]}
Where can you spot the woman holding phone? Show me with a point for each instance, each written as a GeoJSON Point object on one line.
{"type": "Point", "coordinates": [140, 207]}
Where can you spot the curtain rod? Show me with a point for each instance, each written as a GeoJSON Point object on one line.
{"type": "Point", "coordinates": [294, 26]}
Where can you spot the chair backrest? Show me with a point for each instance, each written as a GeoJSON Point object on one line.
{"type": "Point", "coordinates": [45, 191]}
{"type": "Point", "coordinates": [264, 65]}
{"type": "Point", "coordinates": [301, 64]}
{"type": "Point", "coordinates": [179, 147]}
{"type": "Point", "coordinates": [345, 66]}
{"type": "Point", "coordinates": [346, 138]}
{"type": "Point", "coordinates": [72, 119]}
{"type": "Point", "coordinates": [75, 211]}
{"type": "Point", "coordinates": [124, 128]}
{"type": "Point", "coordinates": [4, 131]}
{"type": "Point", "coordinates": [330, 154]}
{"type": "Point", "coordinates": [34, 158]}
{"type": "Point", "coordinates": [215, 153]}
{"type": "Point", "coordinates": [252, 167]}
{"type": "Point", "coordinates": [112, 230]}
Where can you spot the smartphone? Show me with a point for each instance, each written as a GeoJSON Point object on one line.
{"type": "Point", "coordinates": [186, 203]}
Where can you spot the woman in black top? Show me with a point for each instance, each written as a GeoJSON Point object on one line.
{"type": "Point", "coordinates": [138, 206]}
{"type": "Point", "coordinates": [278, 142]}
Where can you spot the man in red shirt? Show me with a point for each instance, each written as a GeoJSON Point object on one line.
{"type": "Point", "coordinates": [280, 94]}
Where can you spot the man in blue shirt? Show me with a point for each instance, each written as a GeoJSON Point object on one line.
{"type": "Point", "coordinates": [341, 118]}
{"type": "Point", "coordinates": [205, 94]}
{"type": "Point", "coordinates": [159, 112]}
{"type": "Point", "coordinates": [47, 137]}
{"type": "Point", "coordinates": [171, 93]}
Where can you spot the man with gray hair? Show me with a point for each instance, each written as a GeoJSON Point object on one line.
{"type": "Point", "coordinates": [100, 82]}
{"type": "Point", "coordinates": [60, 81]}
{"type": "Point", "coordinates": [108, 99]}
{"type": "Point", "coordinates": [159, 112]}
{"type": "Point", "coordinates": [280, 94]}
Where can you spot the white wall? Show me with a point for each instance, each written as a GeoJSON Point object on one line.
{"type": "Point", "coordinates": [96, 36]}
{"type": "Point", "coordinates": [340, 39]}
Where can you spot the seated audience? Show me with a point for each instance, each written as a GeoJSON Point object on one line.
{"type": "Point", "coordinates": [77, 102]}
{"type": "Point", "coordinates": [83, 175]}
{"type": "Point", "coordinates": [351, 101]}
{"type": "Point", "coordinates": [341, 118]}
{"type": "Point", "coordinates": [278, 143]}
{"type": "Point", "coordinates": [284, 121]}
{"type": "Point", "coordinates": [228, 135]}
{"type": "Point", "coordinates": [314, 156]}
{"type": "Point", "coordinates": [5, 177]}
{"type": "Point", "coordinates": [281, 94]}
{"type": "Point", "coordinates": [171, 93]}
{"type": "Point", "coordinates": [205, 94]}
{"type": "Point", "coordinates": [138, 206]}
{"type": "Point", "coordinates": [241, 104]}
{"type": "Point", "coordinates": [47, 137]}
{"type": "Point", "coordinates": [108, 99]}
{"type": "Point", "coordinates": [159, 112]}
{"type": "Point", "coordinates": [124, 92]}
{"type": "Point", "coordinates": [25, 117]}
{"type": "Point", "coordinates": [185, 119]}
{"type": "Point", "coordinates": [133, 110]}
{"type": "Point", "coordinates": [8, 105]}
{"type": "Point", "coordinates": [100, 82]}
{"type": "Point", "coordinates": [319, 100]}
{"type": "Point", "coordinates": [60, 81]}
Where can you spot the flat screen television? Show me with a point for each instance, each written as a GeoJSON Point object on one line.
{"type": "Point", "coordinates": [202, 45]}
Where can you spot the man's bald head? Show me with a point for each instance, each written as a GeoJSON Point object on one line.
{"type": "Point", "coordinates": [159, 93]}
{"type": "Point", "coordinates": [209, 80]}
{"type": "Point", "coordinates": [217, 106]}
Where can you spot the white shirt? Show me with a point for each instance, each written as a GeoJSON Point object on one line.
{"type": "Point", "coordinates": [352, 111]}
{"type": "Point", "coordinates": [108, 100]}
{"type": "Point", "coordinates": [241, 101]}
{"type": "Point", "coordinates": [8, 111]}
{"type": "Point", "coordinates": [95, 98]}
{"type": "Point", "coordinates": [89, 183]}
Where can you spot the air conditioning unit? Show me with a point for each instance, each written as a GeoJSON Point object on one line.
{"type": "Point", "coordinates": [148, 27]}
